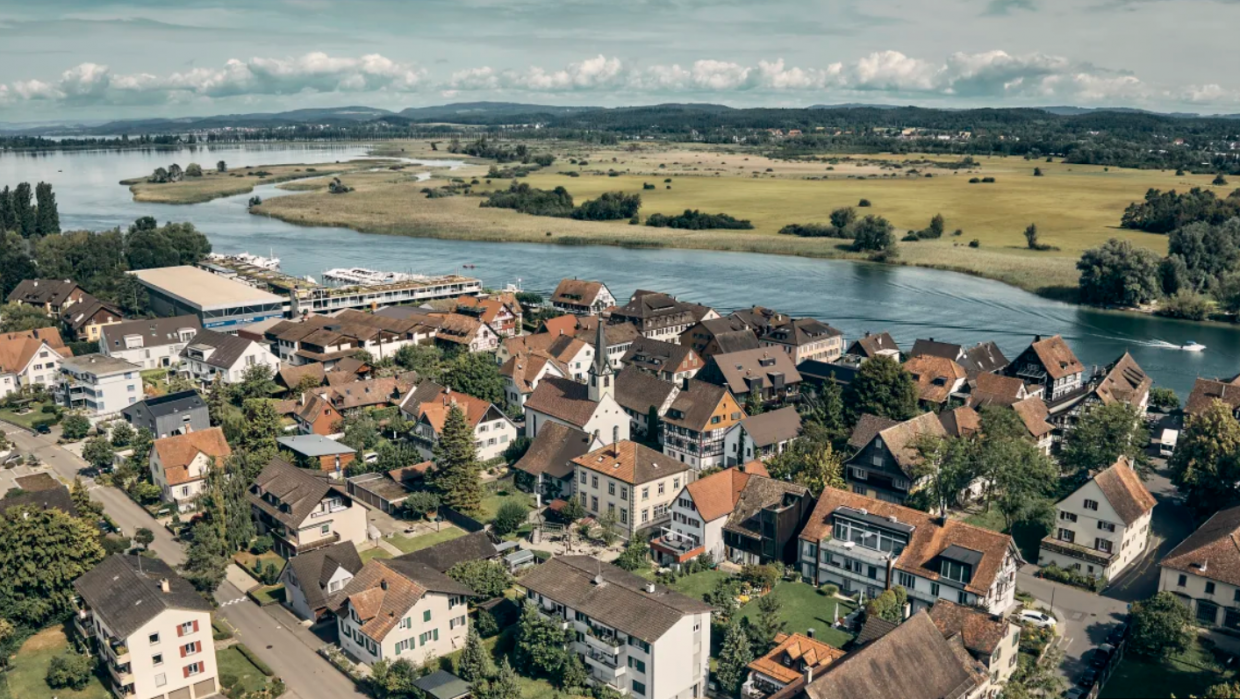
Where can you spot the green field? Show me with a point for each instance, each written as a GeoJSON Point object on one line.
{"type": "Point", "coordinates": [699, 584]}
{"type": "Point", "coordinates": [492, 502]}
{"type": "Point", "coordinates": [28, 670]}
{"type": "Point", "coordinates": [417, 543]}
{"type": "Point", "coordinates": [804, 608]}
{"type": "Point", "coordinates": [233, 664]}
{"type": "Point", "coordinates": [1187, 675]}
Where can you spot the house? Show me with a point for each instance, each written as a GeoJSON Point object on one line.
{"type": "Point", "coordinates": [52, 296]}
{"type": "Point", "coordinates": [696, 424]}
{"type": "Point", "coordinates": [761, 436]}
{"type": "Point", "coordinates": [1204, 571]}
{"type": "Point", "coordinates": [934, 348]}
{"type": "Point", "coordinates": [303, 511]}
{"type": "Point", "coordinates": [983, 358]}
{"type": "Point", "coordinates": [317, 453]}
{"type": "Point", "coordinates": [444, 556]}
{"type": "Point", "coordinates": [883, 466]}
{"type": "Point", "coordinates": [719, 336]}
{"type": "Point", "coordinates": [1206, 391]}
{"type": "Point", "coordinates": [179, 464]}
{"type": "Point", "coordinates": [313, 577]}
{"type": "Point", "coordinates": [566, 324]}
{"type": "Point", "coordinates": [870, 346]}
{"type": "Point", "coordinates": [841, 372]}
{"type": "Point", "coordinates": [961, 422]}
{"type": "Point", "coordinates": [762, 321]}
{"type": "Point", "coordinates": [393, 610]}
{"type": "Point", "coordinates": [771, 374]}
{"type": "Point", "coordinates": [85, 319]}
{"type": "Point", "coordinates": [997, 389]}
{"type": "Point", "coordinates": [763, 525]}
{"type": "Point", "coordinates": [640, 638]}
{"type": "Point", "coordinates": [547, 468]}
{"type": "Point", "coordinates": [353, 396]}
{"type": "Point", "coordinates": [866, 545]}
{"type": "Point", "coordinates": [168, 415]}
{"type": "Point", "coordinates": [992, 640]}
{"type": "Point", "coordinates": [699, 512]}
{"type": "Point", "coordinates": [656, 316]}
{"type": "Point", "coordinates": [573, 354]}
{"type": "Point", "coordinates": [522, 374]}
{"type": "Point", "coordinates": [1034, 414]}
{"type": "Point", "coordinates": [150, 628]}
{"type": "Point", "coordinates": [912, 661]}
{"type": "Point", "coordinates": [590, 407]}
{"type": "Point", "coordinates": [618, 337]}
{"type": "Point", "coordinates": [327, 340]}
{"type": "Point", "coordinates": [792, 657]}
{"type": "Point", "coordinates": [493, 431]}
{"type": "Point", "coordinates": [631, 483]}
{"type": "Point", "coordinates": [638, 393]}
{"type": "Point", "coordinates": [315, 415]}
{"type": "Point", "coordinates": [1124, 381]}
{"type": "Point", "coordinates": [502, 316]}
{"type": "Point", "coordinates": [98, 385]}
{"type": "Point", "coordinates": [1050, 363]}
{"type": "Point", "coordinates": [151, 343]}
{"type": "Point", "coordinates": [213, 354]}
{"type": "Point", "coordinates": [806, 339]}
{"type": "Point", "coordinates": [1103, 527]}
{"type": "Point", "coordinates": [442, 684]}
{"type": "Point", "coordinates": [581, 297]}
{"type": "Point", "coordinates": [663, 360]}
{"type": "Point", "coordinates": [938, 379]}
{"type": "Point", "coordinates": [465, 332]}
{"type": "Point", "coordinates": [31, 358]}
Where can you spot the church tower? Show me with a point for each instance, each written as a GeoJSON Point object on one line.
{"type": "Point", "coordinates": [602, 378]}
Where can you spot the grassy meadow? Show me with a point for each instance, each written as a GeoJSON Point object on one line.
{"type": "Point", "coordinates": [213, 184]}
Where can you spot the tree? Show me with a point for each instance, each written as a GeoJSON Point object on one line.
{"type": "Point", "coordinates": [122, 435]}
{"type": "Point", "coordinates": [753, 402]}
{"type": "Point", "coordinates": [221, 166]}
{"type": "Point", "coordinates": [653, 425]}
{"type": "Point", "coordinates": [1037, 679]}
{"type": "Point", "coordinates": [426, 360]}
{"type": "Point", "coordinates": [99, 453]}
{"type": "Point", "coordinates": [762, 577]}
{"type": "Point", "coordinates": [262, 426]}
{"type": "Point", "coordinates": [1102, 435]}
{"type": "Point", "coordinates": [476, 374]}
{"type": "Point", "coordinates": [769, 623]}
{"type": "Point", "coordinates": [948, 465]}
{"type": "Point", "coordinates": [511, 515]}
{"type": "Point", "coordinates": [86, 507]}
{"type": "Point", "coordinates": [456, 464]}
{"type": "Point", "coordinates": [539, 643]}
{"type": "Point", "coordinates": [1226, 690]}
{"type": "Point", "coordinates": [193, 170]}
{"type": "Point", "coordinates": [882, 387]}
{"type": "Point", "coordinates": [842, 219]}
{"type": "Point", "coordinates": [504, 685]}
{"type": "Point", "coordinates": [487, 578]}
{"type": "Point", "coordinates": [42, 552]}
{"type": "Point", "coordinates": [1164, 399]}
{"type": "Point", "coordinates": [256, 382]}
{"type": "Point", "coordinates": [573, 510]}
{"type": "Point", "coordinates": [474, 663]}
{"type": "Point", "coordinates": [1206, 463]}
{"type": "Point", "coordinates": [889, 605]}
{"type": "Point", "coordinates": [1037, 172]}
{"type": "Point", "coordinates": [875, 235]}
{"type": "Point", "coordinates": [74, 427]}
{"type": "Point", "coordinates": [16, 317]}
{"type": "Point", "coordinates": [734, 657]}
{"type": "Point", "coordinates": [811, 463]}
{"type": "Point", "coordinates": [826, 407]}
{"type": "Point", "coordinates": [421, 504]}
{"type": "Point", "coordinates": [634, 556]}
{"type": "Point", "coordinates": [144, 536]}
{"type": "Point", "coordinates": [141, 444]}
{"type": "Point", "coordinates": [1120, 274]}
{"type": "Point", "coordinates": [935, 229]}
{"type": "Point", "coordinates": [1227, 293]}
{"type": "Point", "coordinates": [23, 210]}
{"type": "Point", "coordinates": [1031, 237]}
{"type": "Point", "coordinates": [1219, 180]}
{"type": "Point", "coordinates": [1022, 480]}
{"type": "Point", "coordinates": [70, 670]}
{"type": "Point", "coordinates": [47, 217]}
{"type": "Point", "coordinates": [1161, 625]}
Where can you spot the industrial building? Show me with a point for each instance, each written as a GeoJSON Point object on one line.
{"type": "Point", "coordinates": [219, 302]}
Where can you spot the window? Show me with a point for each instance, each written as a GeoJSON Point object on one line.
{"type": "Point", "coordinates": [405, 623]}
{"type": "Point", "coordinates": [1182, 581]}
{"type": "Point", "coordinates": [193, 669]}
{"type": "Point", "coordinates": [594, 482]}
{"type": "Point", "coordinates": [959, 572]}
{"type": "Point", "coordinates": [645, 516]}
{"type": "Point", "coordinates": [611, 488]}
{"type": "Point", "coordinates": [594, 503]}
{"type": "Point", "coordinates": [1067, 535]}
{"type": "Point", "coordinates": [157, 659]}
{"type": "Point", "coordinates": [906, 581]}
{"type": "Point", "coordinates": [611, 508]}
{"type": "Point", "coordinates": [1209, 588]}
{"type": "Point", "coordinates": [426, 615]}
{"type": "Point", "coordinates": [639, 665]}
{"type": "Point", "coordinates": [1091, 505]}
{"type": "Point", "coordinates": [639, 688]}
{"type": "Point", "coordinates": [934, 589]}
{"type": "Point", "coordinates": [161, 679]}
{"type": "Point", "coordinates": [1067, 516]}
{"type": "Point", "coordinates": [962, 597]}
{"type": "Point", "coordinates": [639, 644]}
{"type": "Point", "coordinates": [583, 477]}
{"type": "Point", "coordinates": [189, 649]}
{"type": "Point", "coordinates": [624, 516]}
{"type": "Point", "coordinates": [1102, 545]}
{"type": "Point", "coordinates": [624, 493]}
{"type": "Point", "coordinates": [187, 628]}
{"type": "Point", "coordinates": [661, 486]}
{"type": "Point", "coordinates": [154, 639]}
{"type": "Point", "coordinates": [646, 493]}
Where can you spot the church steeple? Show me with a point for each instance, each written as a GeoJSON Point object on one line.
{"type": "Point", "coordinates": [602, 378]}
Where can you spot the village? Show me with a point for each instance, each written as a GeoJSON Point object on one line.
{"type": "Point", "coordinates": [409, 486]}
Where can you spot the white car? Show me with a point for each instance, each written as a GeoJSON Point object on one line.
{"type": "Point", "coordinates": [1036, 618]}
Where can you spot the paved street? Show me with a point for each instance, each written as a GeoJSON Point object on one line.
{"type": "Point", "coordinates": [273, 634]}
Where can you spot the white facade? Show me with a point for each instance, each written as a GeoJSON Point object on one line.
{"type": "Point", "coordinates": [295, 598]}
{"type": "Point", "coordinates": [134, 348]}
{"type": "Point", "coordinates": [181, 494]}
{"type": "Point", "coordinates": [739, 447]}
{"type": "Point", "coordinates": [100, 386]}
{"type": "Point", "coordinates": [42, 370]}
{"type": "Point", "coordinates": [688, 523]}
{"type": "Point", "coordinates": [1089, 536]}
{"type": "Point", "coordinates": [1213, 603]}
{"type": "Point", "coordinates": [634, 507]}
{"type": "Point", "coordinates": [433, 627]}
{"type": "Point", "coordinates": [492, 435]}
{"type": "Point", "coordinates": [172, 654]}
{"type": "Point", "coordinates": [513, 395]}
{"type": "Point", "coordinates": [202, 370]}
{"type": "Point", "coordinates": [609, 421]}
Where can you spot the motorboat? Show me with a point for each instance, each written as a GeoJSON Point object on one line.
{"type": "Point", "coordinates": [1192, 346]}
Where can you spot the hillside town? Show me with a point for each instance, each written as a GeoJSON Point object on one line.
{"type": "Point", "coordinates": [421, 487]}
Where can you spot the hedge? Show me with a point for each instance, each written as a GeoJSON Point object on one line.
{"type": "Point", "coordinates": [258, 663]}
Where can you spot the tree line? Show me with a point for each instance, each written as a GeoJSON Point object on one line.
{"type": "Point", "coordinates": [1163, 212]}
{"type": "Point", "coordinates": [610, 206]}
{"type": "Point", "coordinates": [31, 213]}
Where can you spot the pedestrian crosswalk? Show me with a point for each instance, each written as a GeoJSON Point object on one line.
{"type": "Point", "coordinates": [232, 601]}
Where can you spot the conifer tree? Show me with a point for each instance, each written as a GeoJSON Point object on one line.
{"type": "Point", "coordinates": [734, 658]}
{"type": "Point", "coordinates": [456, 463]}
{"type": "Point", "coordinates": [47, 216]}
{"type": "Point", "coordinates": [475, 663]}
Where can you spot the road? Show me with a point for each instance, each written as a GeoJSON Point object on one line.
{"type": "Point", "coordinates": [270, 634]}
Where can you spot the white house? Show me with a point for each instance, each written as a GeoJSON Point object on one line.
{"type": "Point", "coordinates": [864, 545]}
{"type": "Point", "coordinates": [151, 343]}
{"type": "Point", "coordinates": [637, 637]}
{"type": "Point", "coordinates": [213, 354]}
{"type": "Point", "coordinates": [590, 407]}
{"type": "Point", "coordinates": [395, 609]}
{"type": "Point", "coordinates": [179, 464]}
{"type": "Point", "coordinates": [1204, 571]}
{"type": "Point", "coordinates": [313, 577]}
{"type": "Point", "coordinates": [761, 436]}
{"type": "Point", "coordinates": [581, 297]}
{"type": "Point", "coordinates": [303, 511]}
{"type": "Point", "coordinates": [632, 483]}
{"type": "Point", "coordinates": [101, 386]}
{"type": "Point", "coordinates": [493, 431]}
{"type": "Point", "coordinates": [152, 629]}
{"type": "Point", "coordinates": [1102, 527]}
{"type": "Point", "coordinates": [700, 510]}
{"type": "Point", "coordinates": [30, 358]}
{"type": "Point", "coordinates": [523, 372]}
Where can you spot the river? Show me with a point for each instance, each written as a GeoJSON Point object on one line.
{"type": "Point", "coordinates": [856, 297]}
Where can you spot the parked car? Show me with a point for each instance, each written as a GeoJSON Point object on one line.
{"type": "Point", "coordinates": [1117, 635]}
{"type": "Point", "coordinates": [1101, 656]}
{"type": "Point", "coordinates": [43, 428]}
{"type": "Point", "coordinates": [1088, 678]}
{"type": "Point", "coordinates": [1037, 618]}
{"type": "Point", "coordinates": [1075, 693]}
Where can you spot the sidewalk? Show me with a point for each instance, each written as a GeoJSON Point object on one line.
{"type": "Point", "coordinates": [239, 578]}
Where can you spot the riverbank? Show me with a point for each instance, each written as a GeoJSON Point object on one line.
{"type": "Point", "coordinates": [214, 184]}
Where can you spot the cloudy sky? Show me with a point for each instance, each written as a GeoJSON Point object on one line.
{"type": "Point", "coordinates": [98, 59]}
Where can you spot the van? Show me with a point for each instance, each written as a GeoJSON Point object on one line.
{"type": "Point", "coordinates": [1166, 445]}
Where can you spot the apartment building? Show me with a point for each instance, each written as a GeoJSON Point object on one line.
{"type": "Point", "coordinates": [98, 385]}
{"type": "Point", "coordinates": [304, 511]}
{"type": "Point", "coordinates": [866, 545]}
{"type": "Point", "coordinates": [149, 627]}
{"type": "Point", "coordinates": [581, 297]}
{"type": "Point", "coordinates": [637, 637]}
{"type": "Point", "coordinates": [179, 464]}
{"type": "Point", "coordinates": [1204, 571]}
{"type": "Point", "coordinates": [1103, 527]}
{"type": "Point", "coordinates": [151, 343]}
{"type": "Point", "coordinates": [656, 316]}
{"type": "Point", "coordinates": [170, 414]}
{"type": "Point", "coordinates": [632, 483]}
{"type": "Point", "coordinates": [213, 354]}
{"type": "Point", "coordinates": [697, 422]}
{"type": "Point", "coordinates": [806, 339]}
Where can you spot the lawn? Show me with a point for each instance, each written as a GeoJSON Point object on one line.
{"type": "Point", "coordinates": [29, 668]}
{"type": "Point", "coordinates": [698, 584]}
{"type": "Point", "coordinates": [28, 419]}
{"type": "Point", "coordinates": [1028, 537]}
{"type": "Point", "coordinates": [370, 554]}
{"type": "Point", "coordinates": [251, 562]}
{"type": "Point", "coordinates": [232, 662]}
{"type": "Point", "coordinates": [498, 646]}
{"type": "Point", "coordinates": [1184, 675]}
{"type": "Point", "coordinates": [417, 543]}
{"type": "Point", "coordinates": [492, 502]}
{"type": "Point", "coordinates": [267, 595]}
{"type": "Point", "coordinates": [804, 608]}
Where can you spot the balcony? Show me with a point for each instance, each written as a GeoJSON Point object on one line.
{"type": "Point", "coordinates": [609, 664]}
{"type": "Point", "coordinates": [856, 551]}
{"type": "Point", "coordinates": [122, 690]}
{"type": "Point", "coordinates": [1080, 553]}
{"type": "Point", "coordinates": [116, 650]}
{"type": "Point", "coordinates": [121, 674]}
{"type": "Point", "coordinates": [83, 623]}
{"type": "Point", "coordinates": [604, 641]}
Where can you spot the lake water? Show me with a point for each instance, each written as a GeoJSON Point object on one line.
{"type": "Point", "coordinates": [855, 297]}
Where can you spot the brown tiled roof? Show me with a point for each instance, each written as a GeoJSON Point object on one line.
{"type": "Point", "coordinates": [981, 632]}
{"type": "Point", "coordinates": [996, 389]}
{"type": "Point", "coordinates": [564, 399]}
{"type": "Point", "coordinates": [418, 394]}
{"type": "Point", "coordinates": [361, 394]}
{"type": "Point", "coordinates": [621, 602]}
{"type": "Point", "coordinates": [759, 493]}
{"type": "Point", "coordinates": [613, 333]}
{"type": "Point", "coordinates": [696, 403]}
{"type": "Point", "coordinates": [761, 320]}
{"type": "Point", "coordinates": [155, 332]}
{"type": "Point", "coordinates": [560, 325]}
{"type": "Point", "coordinates": [1057, 357]}
{"type": "Point", "coordinates": [380, 596]}
{"type": "Point", "coordinates": [935, 376]}
{"type": "Point", "coordinates": [523, 369]}
{"type": "Point", "coordinates": [43, 291]}
{"type": "Point", "coordinates": [796, 651]}
{"type": "Point", "coordinates": [177, 452]}
{"type": "Point", "coordinates": [291, 376]}
{"type": "Point", "coordinates": [931, 536]}
{"type": "Point", "coordinates": [802, 331]}
{"type": "Point", "coordinates": [316, 408]}
{"type": "Point", "coordinates": [411, 474]}
{"type": "Point", "coordinates": [80, 314]}
{"type": "Point", "coordinates": [314, 570]}
{"type": "Point", "coordinates": [487, 310]}
{"type": "Point", "coordinates": [1125, 492]}
{"type": "Point", "coordinates": [299, 492]}
{"type": "Point", "coordinates": [631, 462]}
{"type": "Point", "coordinates": [565, 348]}
{"type": "Point", "coordinates": [961, 422]}
{"type": "Point", "coordinates": [228, 348]}
{"type": "Point", "coordinates": [553, 450]}
{"type": "Point", "coordinates": [867, 429]}
{"type": "Point", "coordinates": [773, 427]}
{"type": "Point", "coordinates": [933, 348]}
{"type": "Point", "coordinates": [715, 495]}
{"type": "Point", "coordinates": [1033, 412]}
{"type": "Point", "coordinates": [576, 292]}
{"type": "Point", "coordinates": [731, 334]}
{"type": "Point", "coordinates": [736, 369]}
{"type": "Point", "coordinates": [984, 357]}
{"type": "Point", "coordinates": [1125, 382]}
{"type": "Point", "coordinates": [1206, 391]}
{"type": "Point", "coordinates": [870, 345]}
{"type": "Point", "coordinates": [637, 390]}
{"type": "Point", "coordinates": [454, 327]}
{"type": "Point", "coordinates": [656, 355]}
{"type": "Point", "coordinates": [17, 349]}
{"type": "Point", "coordinates": [1213, 551]}
{"type": "Point", "coordinates": [435, 411]}
{"type": "Point", "coordinates": [901, 438]}
{"type": "Point", "coordinates": [37, 481]}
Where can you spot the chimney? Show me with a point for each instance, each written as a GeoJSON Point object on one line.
{"type": "Point", "coordinates": [164, 586]}
{"type": "Point", "coordinates": [383, 585]}
{"type": "Point", "coordinates": [809, 674]}
{"type": "Point", "coordinates": [1037, 338]}
{"type": "Point", "coordinates": [809, 633]}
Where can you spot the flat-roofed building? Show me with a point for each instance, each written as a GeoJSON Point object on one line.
{"type": "Point", "coordinates": [219, 302]}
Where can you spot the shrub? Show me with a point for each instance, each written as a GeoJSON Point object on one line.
{"type": "Point", "coordinates": [695, 220]}
{"type": "Point", "coordinates": [974, 180]}
{"type": "Point", "coordinates": [486, 624]}
{"type": "Point", "coordinates": [975, 243]}
{"type": "Point", "coordinates": [1187, 305]}
{"type": "Point", "coordinates": [1071, 577]}
{"type": "Point", "coordinates": [829, 590]}
{"type": "Point", "coordinates": [863, 203]}
{"type": "Point", "coordinates": [509, 518]}
{"type": "Point", "coordinates": [258, 663]}
{"type": "Point", "coordinates": [647, 185]}
{"type": "Point", "coordinates": [988, 180]}
{"type": "Point", "coordinates": [75, 427]}
{"type": "Point", "coordinates": [1219, 181]}
{"type": "Point", "coordinates": [70, 670]}
{"type": "Point", "coordinates": [815, 230]}
{"type": "Point", "coordinates": [262, 545]}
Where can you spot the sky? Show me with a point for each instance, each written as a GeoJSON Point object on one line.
{"type": "Point", "coordinates": [92, 60]}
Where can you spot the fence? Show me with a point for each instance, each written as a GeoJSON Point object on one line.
{"type": "Point", "coordinates": [465, 522]}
